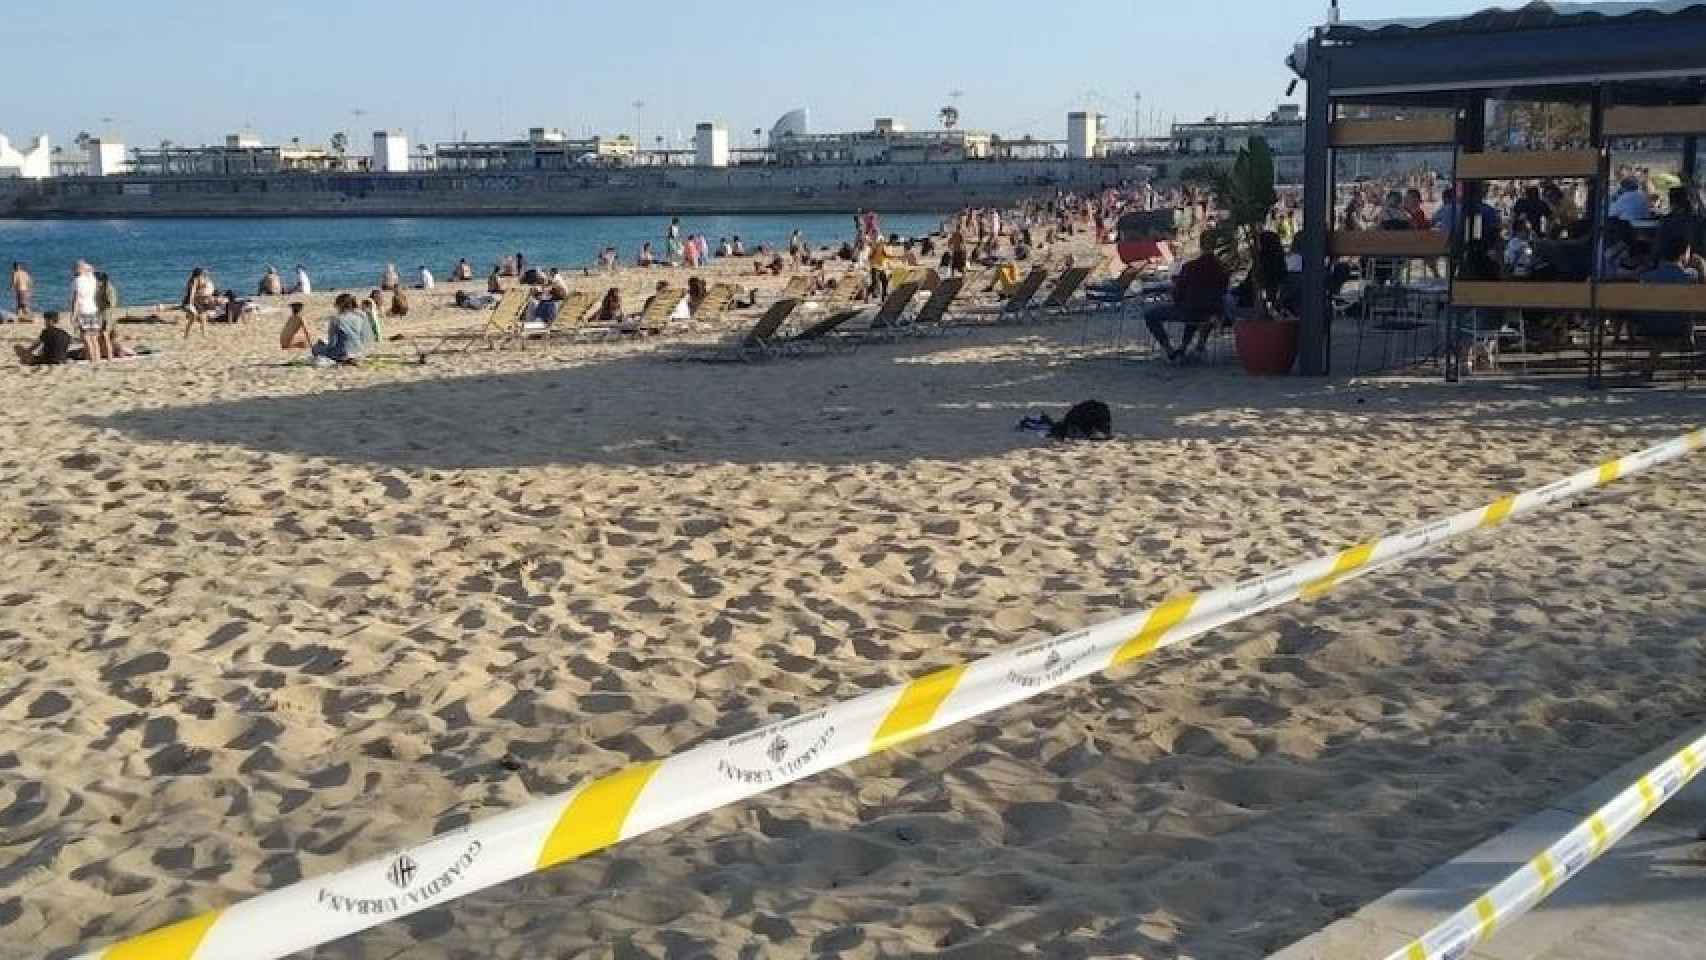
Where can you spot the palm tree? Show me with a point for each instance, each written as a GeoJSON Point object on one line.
{"type": "Point", "coordinates": [1247, 194]}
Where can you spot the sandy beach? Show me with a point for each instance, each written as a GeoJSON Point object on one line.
{"type": "Point", "coordinates": [261, 621]}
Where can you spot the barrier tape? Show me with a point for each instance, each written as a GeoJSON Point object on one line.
{"type": "Point", "coordinates": [649, 796]}
{"type": "Point", "coordinates": [1555, 866]}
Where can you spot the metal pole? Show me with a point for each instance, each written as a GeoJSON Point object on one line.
{"type": "Point", "coordinates": [1315, 330]}
{"type": "Point", "coordinates": [1600, 198]}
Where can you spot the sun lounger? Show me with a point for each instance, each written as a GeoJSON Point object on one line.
{"type": "Point", "coordinates": [1112, 294]}
{"type": "Point", "coordinates": [503, 326]}
{"type": "Point", "coordinates": [758, 342]}
{"type": "Point", "coordinates": [934, 317]}
{"type": "Point", "coordinates": [715, 306]}
{"type": "Point", "coordinates": [885, 323]}
{"type": "Point", "coordinates": [570, 319]}
{"type": "Point", "coordinates": [654, 319]}
{"type": "Point", "coordinates": [1019, 303]}
{"type": "Point", "coordinates": [1060, 298]}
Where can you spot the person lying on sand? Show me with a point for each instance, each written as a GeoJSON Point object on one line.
{"type": "Point", "coordinates": [296, 335]}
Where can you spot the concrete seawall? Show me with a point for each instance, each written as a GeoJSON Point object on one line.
{"type": "Point", "coordinates": [920, 188]}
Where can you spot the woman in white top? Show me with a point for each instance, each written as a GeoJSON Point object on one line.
{"type": "Point", "coordinates": [388, 280]}
{"type": "Point", "coordinates": [85, 311]}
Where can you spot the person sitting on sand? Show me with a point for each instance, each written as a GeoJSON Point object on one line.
{"type": "Point", "coordinates": [296, 335]}
{"type": "Point", "coordinates": [343, 343]}
{"type": "Point", "coordinates": [303, 286]}
{"type": "Point", "coordinates": [388, 280]}
{"type": "Point", "coordinates": [739, 248]}
{"type": "Point", "coordinates": [374, 330]}
{"type": "Point", "coordinates": [425, 281]}
{"type": "Point", "coordinates": [494, 283]}
{"type": "Point", "coordinates": [507, 267]}
{"type": "Point", "coordinates": [723, 248]}
{"type": "Point", "coordinates": [399, 303]}
{"type": "Point", "coordinates": [462, 272]}
{"type": "Point", "coordinates": [50, 349]}
{"type": "Point", "coordinates": [646, 258]}
{"type": "Point", "coordinates": [271, 283]}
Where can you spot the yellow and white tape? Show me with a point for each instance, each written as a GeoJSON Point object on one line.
{"type": "Point", "coordinates": [1556, 865]}
{"type": "Point", "coordinates": [648, 796]}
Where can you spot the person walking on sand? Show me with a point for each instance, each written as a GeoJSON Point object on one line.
{"type": "Point", "coordinates": [22, 288]}
{"type": "Point", "coordinates": [85, 310]}
{"type": "Point", "coordinates": [303, 287]}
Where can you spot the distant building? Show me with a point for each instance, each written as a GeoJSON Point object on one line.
{"type": "Point", "coordinates": [710, 145]}
{"type": "Point", "coordinates": [242, 154]}
{"type": "Point", "coordinates": [32, 164]}
{"type": "Point", "coordinates": [546, 148]}
{"type": "Point", "coordinates": [390, 152]}
{"type": "Point", "coordinates": [794, 123]}
{"type": "Point", "coordinates": [886, 142]}
{"type": "Point", "coordinates": [107, 158]}
{"type": "Point", "coordinates": [1282, 129]}
{"type": "Point", "coordinates": [1083, 135]}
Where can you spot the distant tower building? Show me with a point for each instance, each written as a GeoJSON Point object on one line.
{"type": "Point", "coordinates": [106, 158]}
{"type": "Point", "coordinates": [710, 145]}
{"type": "Point", "coordinates": [390, 152]}
{"type": "Point", "coordinates": [794, 123]}
{"type": "Point", "coordinates": [1083, 130]}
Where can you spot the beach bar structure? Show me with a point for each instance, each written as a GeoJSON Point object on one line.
{"type": "Point", "coordinates": [1636, 71]}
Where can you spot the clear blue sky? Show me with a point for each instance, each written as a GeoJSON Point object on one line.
{"type": "Point", "coordinates": [194, 70]}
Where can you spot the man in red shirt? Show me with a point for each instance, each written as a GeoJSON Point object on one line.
{"type": "Point", "coordinates": [1199, 298]}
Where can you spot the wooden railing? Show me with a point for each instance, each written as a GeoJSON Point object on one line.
{"type": "Point", "coordinates": [1527, 164]}
{"type": "Point", "coordinates": [1394, 133]}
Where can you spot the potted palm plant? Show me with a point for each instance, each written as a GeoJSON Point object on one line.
{"type": "Point", "coordinates": [1266, 341]}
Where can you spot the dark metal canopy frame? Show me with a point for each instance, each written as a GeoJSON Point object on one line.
{"type": "Point", "coordinates": [1640, 68]}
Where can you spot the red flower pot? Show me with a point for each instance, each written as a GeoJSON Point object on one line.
{"type": "Point", "coordinates": [1266, 348]}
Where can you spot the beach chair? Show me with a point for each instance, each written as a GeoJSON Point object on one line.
{"type": "Point", "coordinates": [715, 306]}
{"type": "Point", "coordinates": [571, 314]}
{"type": "Point", "coordinates": [654, 319]}
{"type": "Point", "coordinates": [885, 323]}
{"type": "Point", "coordinates": [1112, 294]}
{"type": "Point", "coordinates": [798, 287]}
{"type": "Point", "coordinates": [502, 326]}
{"type": "Point", "coordinates": [934, 316]}
{"type": "Point", "coordinates": [1060, 298]}
{"type": "Point", "coordinates": [1019, 302]}
{"type": "Point", "coordinates": [758, 342]}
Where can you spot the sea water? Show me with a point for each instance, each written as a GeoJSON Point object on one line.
{"type": "Point", "coordinates": [149, 259]}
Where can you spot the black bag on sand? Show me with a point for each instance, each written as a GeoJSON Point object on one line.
{"type": "Point", "coordinates": [1090, 420]}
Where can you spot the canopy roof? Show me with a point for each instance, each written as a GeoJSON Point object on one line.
{"type": "Point", "coordinates": [1538, 45]}
{"type": "Point", "coordinates": [1499, 20]}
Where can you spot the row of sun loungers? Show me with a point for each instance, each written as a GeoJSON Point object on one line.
{"type": "Point", "coordinates": [840, 325]}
